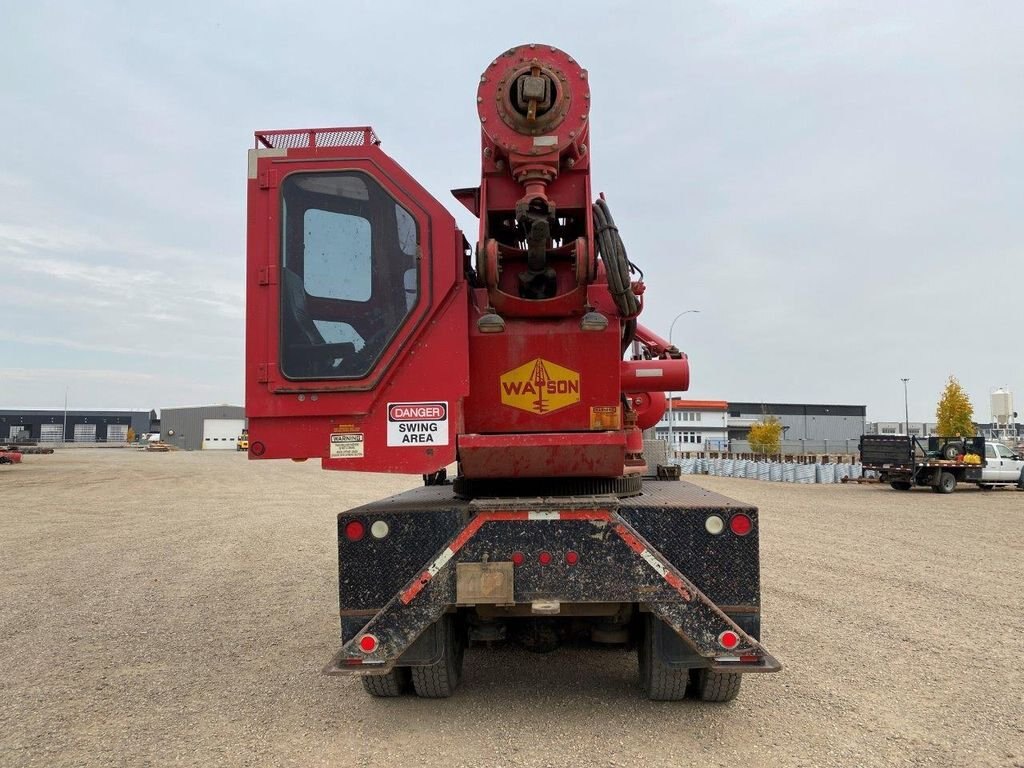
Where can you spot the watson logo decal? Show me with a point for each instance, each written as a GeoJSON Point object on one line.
{"type": "Point", "coordinates": [540, 386]}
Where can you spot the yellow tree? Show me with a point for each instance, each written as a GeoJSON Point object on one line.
{"type": "Point", "coordinates": [954, 412]}
{"type": "Point", "coordinates": [766, 436]}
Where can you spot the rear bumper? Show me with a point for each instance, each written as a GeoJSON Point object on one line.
{"type": "Point", "coordinates": [545, 553]}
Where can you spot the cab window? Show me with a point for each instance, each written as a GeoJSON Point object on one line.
{"type": "Point", "coordinates": [349, 273]}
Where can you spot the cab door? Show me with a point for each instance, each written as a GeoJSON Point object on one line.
{"type": "Point", "coordinates": [992, 471]}
{"type": "Point", "coordinates": [1010, 465]}
{"type": "Point", "coordinates": [357, 309]}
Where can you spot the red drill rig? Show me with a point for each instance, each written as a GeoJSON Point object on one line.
{"type": "Point", "coordinates": [376, 342]}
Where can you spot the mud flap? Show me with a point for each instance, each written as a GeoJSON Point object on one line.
{"type": "Point", "coordinates": [613, 564]}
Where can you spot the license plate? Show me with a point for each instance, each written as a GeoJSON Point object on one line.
{"type": "Point", "coordinates": [484, 584]}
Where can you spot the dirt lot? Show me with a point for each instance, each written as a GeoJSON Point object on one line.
{"type": "Point", "coordinates": [165, 609]}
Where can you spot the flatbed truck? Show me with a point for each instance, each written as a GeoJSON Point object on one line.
{"type": "Point", "coordinates": [941, 463]}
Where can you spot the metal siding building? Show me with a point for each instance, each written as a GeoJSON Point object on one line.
{"type": "Point", "coordinates": [194, 428]}
{"type": "Point", "coordinates": [801, 422]}
{"type": "Point", "coordinates": [47, 426]}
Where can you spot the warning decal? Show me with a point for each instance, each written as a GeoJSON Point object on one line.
{"type": "Point", "coordinates": [423, 423]}
{"type": "Point", "coordinates": [347, 446]}
{"type": "Point", "coordinates": [604, 417]}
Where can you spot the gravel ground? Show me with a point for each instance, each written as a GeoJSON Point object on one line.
{"type": "Point", "coordinates": [164, 609]}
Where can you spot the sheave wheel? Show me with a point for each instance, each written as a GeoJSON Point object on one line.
{"type": "Point", "coordinates": [658, 681]}
{"type": "Point", "coordinates": [394, 683]}
{"type": "Point", "coordinates": [440, 679]}
{"type": "Point", "coordinates": [947, 483]}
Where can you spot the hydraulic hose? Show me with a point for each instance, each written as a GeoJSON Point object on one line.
{"type": "Point", "coordinates": [618, 268]}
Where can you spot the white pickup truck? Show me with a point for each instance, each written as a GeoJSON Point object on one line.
{"type": "Point", "coordinates": [1001, 466]}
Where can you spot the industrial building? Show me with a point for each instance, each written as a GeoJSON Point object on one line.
{"type": "Point", "coordinates": [806, 428]}
{"type": "Point", "coordinates": [991, 430]}
{"type": "Point", "coordinates": [696, 425]}
{"type": "Point", "coordinates": [202, 427]}
{"type": "Point", "coordinates": [915, 428]}
{"type": "Point", "coordinates": [58, 426]}
{"type": "Point", "coordinates": [717, 425]}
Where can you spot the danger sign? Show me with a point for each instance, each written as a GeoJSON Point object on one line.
{"type": "Point", "coordinates": [411, 424]}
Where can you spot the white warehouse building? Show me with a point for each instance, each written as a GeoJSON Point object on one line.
{"type": "Point", "coordinates": [697, 425]}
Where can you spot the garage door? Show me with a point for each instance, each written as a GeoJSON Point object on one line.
{"type": "Point", "coordinates": [85, 433]}
{"type": "Point", "coordinates": [221, 434]}
{"type": "Point", "coordinates": [117, 433]}
{"type": "Point", "coordinates": [51, 433]}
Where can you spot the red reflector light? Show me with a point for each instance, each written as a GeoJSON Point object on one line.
{"type": "Point", "coordinates": [740, 524]}
{"type": "Point", "coordinates": [749, 659]}
{"type": "Point", "coordinates": [368, 643]}
{"type": "Point", "coordinates": [518, 558]}
{"type": "Point", "coordinates": [544, 558]}
{"type": "Point", "coordinates": [728, 639]}
{"type": "Point", "coordinates": [354, 530]}
{"type": "Point", "coordinates": [572, 557]}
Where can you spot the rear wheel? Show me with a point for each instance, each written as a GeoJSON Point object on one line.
{"type": "Point", "coordinates": [658, 680]}
{"type": "Point", "coordinates": [716, 686]}
{"type": "Point", "coordinates": [947, 483]}
{"type": "Point", "coordinates": [440, 679]}
{"type": "Point", "coordinates": [394, 683]}
{"type": "Point", "coordinates": [900, 485]}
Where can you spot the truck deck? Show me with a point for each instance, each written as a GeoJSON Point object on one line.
{"type": "Point", "coordinates": [685, 555]}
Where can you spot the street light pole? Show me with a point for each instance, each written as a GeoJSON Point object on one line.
{"type": "Point", "coordinates": [906, 409]}
{"type": "Point", "coordinates": [671, 445]}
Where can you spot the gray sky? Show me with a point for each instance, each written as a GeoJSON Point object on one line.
{"type": "Point", "coordinates": [838, 188]}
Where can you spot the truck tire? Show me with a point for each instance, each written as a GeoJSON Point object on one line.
{"type": "Point", "coordinates": [951, 450]}
{"type": "Point", "coordinates": [716, 686]}
{"type": "Point", "coordinates": [658, 681]}
{"type": "Point", "coordinates": [900, 485]}
{"type": "Point", "coordinates": [394, 683]}
{"type": "Point", "coordinates": [440, 679]}
{"type": "Point", "coordinates": [947, 483]}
